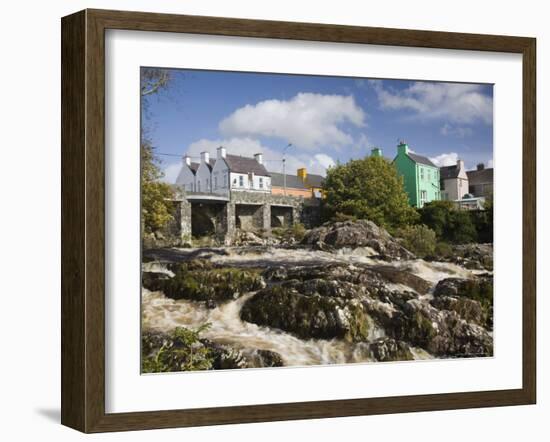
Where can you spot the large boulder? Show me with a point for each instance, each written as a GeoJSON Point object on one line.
{"type": "Point", "coordinates": [308, 315]}
{"type": "Point", "coordinates": [200, 281]}
{"type": "Point", "coordinates": [355, 234]}
{"type": "Point", "coordinates": [472, 256]}
{"type": "Point", "coordinates": [404, 277]}
{"type": "Point", "coordinates": [479, 288]}
{"type": "Point", "coordinates": [388, 349]}
{"type": "Point", "coordinates": [472, 298]}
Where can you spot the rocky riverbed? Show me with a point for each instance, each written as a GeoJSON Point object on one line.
{"type": "Point", "coordinates": [349, 292]}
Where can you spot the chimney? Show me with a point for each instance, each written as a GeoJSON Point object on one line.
{"type": "Point", "coordinates": [205, 157]}
{"type": "Point", "coordinates": [376, 152]}
{"type": "Point", "coordinates": [302, 173]}
{"type": "Point", "coordinates": [460, 164]}
{"type": "Point", "coordinates": [480, 166]}
{"type": "Point", "coordinates": [402, 148]}
{"type": "Point", "coordinates": [259, 157]}
{"type": "Point", "coordinates": [187, 160]}
{"type": "Point", "coordinates": [221, 152]}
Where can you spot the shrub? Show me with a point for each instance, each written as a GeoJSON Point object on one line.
{"type": "Point", "coordinates": [296, 231]}
{"type": "Point", "coordinates": [443, 250]}
{"type": "Point", "coordinates": [448, 223]}
{"type": "Point", "coordinates": [182, 351]}
{"type": "Point", "coordinates": [419, 239]}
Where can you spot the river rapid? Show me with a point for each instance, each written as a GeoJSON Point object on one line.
{"type": "Point", "coordinates": [162, 314]}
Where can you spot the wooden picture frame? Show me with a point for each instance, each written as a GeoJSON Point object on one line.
{"type": "Point", "coordinates": [83, 220]}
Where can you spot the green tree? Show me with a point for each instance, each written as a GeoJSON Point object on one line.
{"type": "Point", "coordinates": [448, 223]}
{"type": "Point", "coordinates": [369, 188]}
{"type": "Point", "coordinates": [156, 207]}
{"type": "Point", "coordinates": [419, 239]}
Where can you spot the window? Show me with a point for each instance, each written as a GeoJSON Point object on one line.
{"type": "Point", "coordinates": [207, 184]}
{"type": "Point", "coordinates": [241, 181]}
{"type": "Point", "coordinates": [442, 184]}
{"type": "Point", "coordinates": [421, 173]}
{"type": "Point", "coordinates": [423, 197]}
{"type": "Point", "coordinates": [215, 182]}
{"type": "Point", "coordinates": [429, 175]}
{"type": "Point", "coordinates": [261, 183]}
{"type": "Point", "coordinates": [198, 186]}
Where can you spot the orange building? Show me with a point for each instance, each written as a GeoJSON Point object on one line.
{"type": "Point", "coordinates": [312, 181]}
{"type": "Point", "coordinates": [294, 186]}
{"type": "Point", "coordinates": [303, 184]}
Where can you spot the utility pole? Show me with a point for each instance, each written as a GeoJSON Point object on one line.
{"type": "Point", "coordinates": [284, 168]}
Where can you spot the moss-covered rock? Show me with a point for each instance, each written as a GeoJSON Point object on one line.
{"type": "Point", "coordinates": [388, 349]}
{"type": "Point", "coordinates": [202, 282]}
{"type": "Point", "coordinates": [465, 296]}
{"type": "Point", "coordinates": [307, 316]}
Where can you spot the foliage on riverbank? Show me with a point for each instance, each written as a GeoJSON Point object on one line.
{"type": "Point", "coordinates": [181, 351]}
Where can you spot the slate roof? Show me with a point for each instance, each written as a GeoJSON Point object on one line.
{"type": "Point", "coordinates": [420, 159]}
{"type": "Point", "coordinates": [292, 181]}
{"type": "Point", "coordinates": [448, 172]}
{"type": "Point", "coordinates": [480, 176]}
{"type": "Point", "coordinates": [240, 164]}
{"type": "Point", "coordinates": [314, 180]}
{"type": "Point", "coordinates": [194, 167]}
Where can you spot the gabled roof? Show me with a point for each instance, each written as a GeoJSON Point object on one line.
{"type": "Point", "coordinates": [292, 181]}
{"type": "Point", "coordinates": [314, 180]}
{"type": "Point", "coordinates": [448, 172]}
{"type": "Point", "coordinates": [240, 164]}
{"type": "Point", "coordinates": [194, 167]}
{"type": "Point", "coordinates": [420, 159]}
{"type": "Point", "coordinates": [480, 176]}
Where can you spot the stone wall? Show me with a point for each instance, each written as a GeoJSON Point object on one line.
{"type": "Point", "coordinates": [255, 209]}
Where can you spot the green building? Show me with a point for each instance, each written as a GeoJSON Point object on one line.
{"type": "Point", "coordinates": [420, 176]}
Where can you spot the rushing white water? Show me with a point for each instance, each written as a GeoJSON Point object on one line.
{"type": "Point", "coordinates": [160, 313]}
{"type": "Point", "coordinates": [164, 314]}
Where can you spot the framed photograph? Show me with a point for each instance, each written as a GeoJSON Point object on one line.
{"type": "Point", "coordinates": [267, 221]}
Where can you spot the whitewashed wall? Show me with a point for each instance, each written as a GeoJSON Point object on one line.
{"type": "Point", "coordinates": [186, 178]}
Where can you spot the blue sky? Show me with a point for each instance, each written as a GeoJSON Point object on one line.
{"type": "Point", "coordinates": [326, 119]}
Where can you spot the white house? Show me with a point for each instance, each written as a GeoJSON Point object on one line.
{"type": "Point", "coordinates": [203, 176]}
{"type": "Point", "coordinates": [225, 174]}
{"type": "Point", "coordinates": [454, 181]}
{"type": "Point", "coordinates": [186, 177]}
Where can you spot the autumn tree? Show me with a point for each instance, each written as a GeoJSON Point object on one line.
{"type": "Point", "coordinates": [369, 188]}
{"type": "Point", "coordinates": [156, 208]}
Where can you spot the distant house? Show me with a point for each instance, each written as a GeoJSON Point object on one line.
{"type": "Point", "coordinates": [454, 181]}
{"type": "Point", "coordinates": [480, 181]}
{"type": "Point", "coordinates": [312, 181]}
{"type": "Point", "coordinates": [420, 176]}
{"type": "Point", "coordinates": [289, 185]}
{"type": "Point", "coordinates": [224, 174]}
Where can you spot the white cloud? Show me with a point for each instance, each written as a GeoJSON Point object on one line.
{"type": "Point", "coordinates": [307, 120]}
{"type": "Point", "coordinates": [458, 131]}
{"type": "Point", "coordinates": [325, 160]}
{"type": "Point", "coordinates": [455, 102]}
{"type": "Point", "coordinates": [445, 159]}
{"type": "Point", "coordinates": [171, 172]}
{"type": "Point", "coordinates": [247, 147]}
